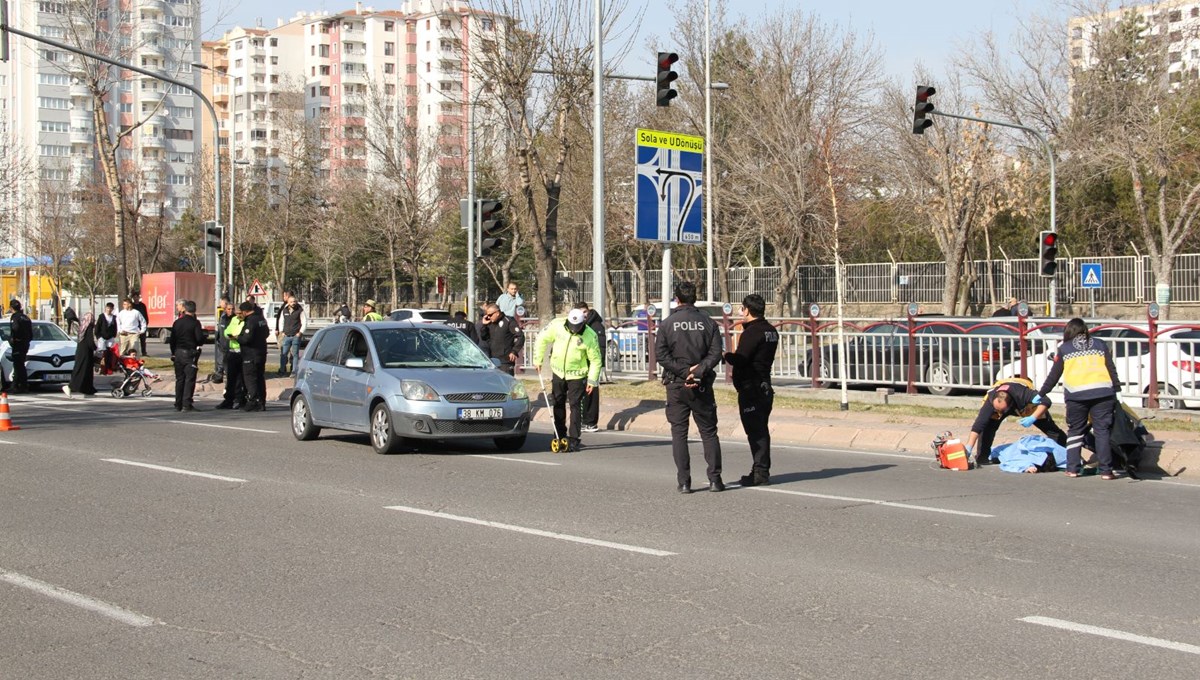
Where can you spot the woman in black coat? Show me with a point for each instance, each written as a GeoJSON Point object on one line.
{"type": "Point", "coordinates": [85, 359]}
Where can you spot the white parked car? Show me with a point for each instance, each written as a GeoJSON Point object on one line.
{"type": "Point", "coordinates": [1177, 364]}
{"type": "Point", "coordinates": [51, 354]}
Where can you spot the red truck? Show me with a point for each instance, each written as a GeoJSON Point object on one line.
{"type": "Point", "coordinates": [161, 290]}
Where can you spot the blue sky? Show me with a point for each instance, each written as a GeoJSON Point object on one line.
{"type": "Point", "coordinates": [925, 31]}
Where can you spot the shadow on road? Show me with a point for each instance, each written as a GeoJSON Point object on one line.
{"type": "Point", "coordinates": [827, 473]}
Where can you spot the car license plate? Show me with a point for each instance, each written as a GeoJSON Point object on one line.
{"type": "Point", "coordinates": [480, 414]}
{"type": "Point", "coordinates": [58, 376]}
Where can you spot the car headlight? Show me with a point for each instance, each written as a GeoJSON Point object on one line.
{"type": "Point", "coordinates": [415, 390]}
{"type": "Point", "coordinates": [517, 391]}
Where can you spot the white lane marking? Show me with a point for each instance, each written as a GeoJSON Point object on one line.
{"type": "Point", "coordinates": [513, 460]}
{"type": "Point", "coordinates": [872, 501]}
{"type": "Point", "coordinates": [2, 441]}
{"type": "Point", "coordinates": [533, 532]}
{"type": "Point", "coordinates": [83, 601]}
{"type": "Point", "coordinates": [175, 470]}
{"type": "Point", "coordinates": [222, 427]}
{"type": "Point", "coordinates": [1111, 633]}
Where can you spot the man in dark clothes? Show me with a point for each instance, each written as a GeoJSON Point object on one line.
{"type": "Point", "coordinates": [501, 338]}
{"type": "Point", "coordinates": [253, 341]}
{"type": "Point", "coordinates": [591, 400]}
{"type": "Point", "coordinates": [187, 336]}
{"type": "Point", "coordinates": [1009, 399]}
{"type": "Point", "coordinates": [19, 339]}
{"type": "Point", "coordinates": [72, 320]}
{"type": "Point", "coordinates": [752, 378]}
{"type": "Point", "coordinates": [141, 307]}
{"type": "Point", "coordinates": [462, 323]}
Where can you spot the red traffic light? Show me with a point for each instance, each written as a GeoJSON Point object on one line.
{"type": "Point", "coordinates": [924, 92]}
{"type": "Point", "coordinates": [1049, 239]}
{"type": "Point", "coordinates": [665, 59]}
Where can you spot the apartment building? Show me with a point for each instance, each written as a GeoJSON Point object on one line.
{"type": "Point", "coordinates": [361, 76]}
{"type": "Point", "coordinates": [47, 110]}
{"type": "Point", "coordinates": [1176, 20]}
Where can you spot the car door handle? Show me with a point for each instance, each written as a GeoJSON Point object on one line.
{"type": "Point", "coordinates": [337, 378]}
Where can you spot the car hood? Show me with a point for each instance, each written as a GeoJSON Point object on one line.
{"type": "Point", "coordinates": [457, 380]}
{"type": "Point", "coordinates": [44, 350]}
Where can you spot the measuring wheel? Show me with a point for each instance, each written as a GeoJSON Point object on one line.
{"type": "Point", "coordinates": [554, 445]}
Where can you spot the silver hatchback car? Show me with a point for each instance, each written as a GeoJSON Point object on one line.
{"type": "Point", "coordinates": [405, 381]}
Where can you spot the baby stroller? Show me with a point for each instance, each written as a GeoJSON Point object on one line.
{"type": "Point", "coordinates": [137, 376]}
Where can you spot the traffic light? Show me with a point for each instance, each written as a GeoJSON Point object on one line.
{"type": "Point", "coordinates": [922, 108]}
{"type": "Point", "coordinates": [491, 223]}
{"type": "Point", "coordinates": [1048, 243]}
{"type": "Point", "coordinates": [666, 75]}
{"type": "Point", "coordinates": [214, 242]}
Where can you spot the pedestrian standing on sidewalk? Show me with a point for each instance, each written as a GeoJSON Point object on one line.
{"type": "Point", "coordinates": [689, 348]}
{"type": "Point", "coordinates": [187, 337]}
{"type": "Point", "coordinates": [130, 326]}
{"type": "Point", "coordinates": [290, 326]}
{"type": "Point", "coordinates": [752, 379]}
{"type": "Point", "coordinates": [1090, 386]}
{"type": "Point", "coordinates": [575, 365]}
{"type": "Point", "coordinates": [82, 380]}
{"type": "Point", "coordinates": [141, 309]}
{"type": "Point", "coordinates": [591, 400]}
{"type": "Point", "coordinates": [106, 339]}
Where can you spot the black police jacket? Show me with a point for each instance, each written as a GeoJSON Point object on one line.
{"type": "Point", "coordinates": [688, 337]}
{"type": "Point", "coordinates": [186, 334]}
{"type": "Point", "coordinates": [467, 328]}
{"type": "Point", "coordinates": [755, 355]}
{"type": "Point", "coordinates": [21, 333]}
{"type": "Point", "coordinates": [501, 338]}
{"type": "Point", "coordinates": [253, 337]}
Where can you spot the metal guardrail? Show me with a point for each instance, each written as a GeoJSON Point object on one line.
{"type": "Point", "coordinates": [1158, 365]}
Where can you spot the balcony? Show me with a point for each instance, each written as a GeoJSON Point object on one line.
{"type": "Point", "coordinates": [153, 141]}
{"type": "Point", "coordinates": [159, 5]}
{"type": "Point", "coordinates": [151, 26]}
{"type": "Point", "coordinates": [354, 77]}
{"type": "Point", "coordinates": [155, 49]}
{"type": "Point", "coordinates": [80, 90]}
{"type": "Point", "coordinates": [80, 135]}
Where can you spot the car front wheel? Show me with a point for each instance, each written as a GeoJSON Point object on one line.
{"type": "Point", "coordinates": [302, 422]}
{"type": "Point", "coordinates": [938, 377]}
{"type": "Point", "coordinates": [383, 438]}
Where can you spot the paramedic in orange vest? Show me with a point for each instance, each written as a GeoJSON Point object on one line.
{"type": "Point", "coordinates": [1010, 399]}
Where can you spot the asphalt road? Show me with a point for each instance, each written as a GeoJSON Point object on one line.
{"type": "Point", "coordinates": [324, 560]}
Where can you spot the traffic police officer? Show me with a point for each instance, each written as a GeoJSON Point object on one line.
{"type": "Point", "coordinates": [752, 378]}
{"type": "Point", "coordinates": [689, 349]}
{"type": "Point", "coordinates": [235, 385]}
{"type": "Point", "coordinates": [253, 341]}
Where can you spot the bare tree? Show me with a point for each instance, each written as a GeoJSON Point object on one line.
{"type": "Point", "coordinates": [537, 110]}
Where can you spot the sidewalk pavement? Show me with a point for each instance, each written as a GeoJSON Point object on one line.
{"type": "Point", "coordinates": [1172, 453]}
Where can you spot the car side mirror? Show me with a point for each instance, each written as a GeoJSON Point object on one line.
{"type": "Point", "coordinates": [355, 363]}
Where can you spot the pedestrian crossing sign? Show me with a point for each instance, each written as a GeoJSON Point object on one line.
{"type": "Point", "coordinates": [257, 290]}
{"type": "Point", "coordinates": [1091, 276]}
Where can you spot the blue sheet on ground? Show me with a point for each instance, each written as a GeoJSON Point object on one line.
{"type": "Point", "coordinates": [1027, 452]}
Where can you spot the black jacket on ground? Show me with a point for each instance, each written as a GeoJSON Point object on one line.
{"type": "Point", "coordinates": [186, 334]}
{"type": "Point", "coordinates": [501, 338]}
{"type": "Point", "coordinates": [688, 337]}
{"type": "Point", "coordinates": [755, 355]}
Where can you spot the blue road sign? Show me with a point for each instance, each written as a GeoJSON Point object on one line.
{"type": "Point", "coordinates": [668, 191]}
{"type": "Point", "coordinates": [1091, 276]}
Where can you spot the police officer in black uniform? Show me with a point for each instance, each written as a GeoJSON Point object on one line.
{"type": "Point", "coordinates": [501, 338]}
{"type": "Point", "coordinates": [19, 339]}
{"type": "Point", "coordinates": [752, 378]}
{"type": "Point", "coordinates": [462, 323]}
{"type": "Point", "coordinates": [253, 340]}
{"type": "Point", "coordinates": [688, 347]}
{"type": "Point", "coordinates": [187, 336]}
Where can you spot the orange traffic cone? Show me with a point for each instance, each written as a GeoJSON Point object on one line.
{"type": "Point", "coordinates": [6, 423]}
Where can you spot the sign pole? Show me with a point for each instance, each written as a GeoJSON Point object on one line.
{"type": "Point", "coordinates": [667, 295]}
